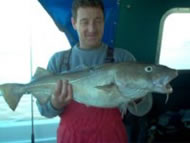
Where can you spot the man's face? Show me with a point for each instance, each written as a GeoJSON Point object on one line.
{"type": "Point", "coordinates": [89, 25]}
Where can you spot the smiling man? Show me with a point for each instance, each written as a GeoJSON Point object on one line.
{"type": "Point", "coordinates": [89, 24]}
{"type": "Point", "coordinates": [81, 123]}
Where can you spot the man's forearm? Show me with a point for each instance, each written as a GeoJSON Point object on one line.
{"type": "Point", "coordinates": [48, 110]}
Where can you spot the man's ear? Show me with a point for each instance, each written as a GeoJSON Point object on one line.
{"type": "Point", "coordinates": [73, 22]}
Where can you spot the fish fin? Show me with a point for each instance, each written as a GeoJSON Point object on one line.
{"type": "Point", "coordinates": [135, 106]}
{"type": "Point", "coordinates": [143, 107]}
{"type": "Point", "coordinates": [12, 94]}
{"type": "Point", "coordinates": [106, 87]}
{"type": "Point", "coordinates": [123, 109]}
{"type": "Point", "coordinates": [41, 72]}
{"type": "Point", "coordinates": [42, 98]}
{"type": "Point", "coordinates": [167, 98]}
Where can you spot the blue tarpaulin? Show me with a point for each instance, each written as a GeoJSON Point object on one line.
{"type": "Point", "coordinates": [60, 12]}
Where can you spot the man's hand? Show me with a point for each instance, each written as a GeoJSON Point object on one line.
{"type": "Point", "coordinates": [62, 95]}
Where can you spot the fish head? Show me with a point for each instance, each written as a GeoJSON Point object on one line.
{"type": "Point", "coordinates": [135, 80]}
{"type": "Point", "coordinates": [161, 78]}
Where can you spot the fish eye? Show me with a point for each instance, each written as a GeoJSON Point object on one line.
{"type": "Point", "coordinates": [148, 69]}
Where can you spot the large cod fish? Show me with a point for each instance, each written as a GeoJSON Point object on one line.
{"type": "Point", "coordinates": [108, 85]}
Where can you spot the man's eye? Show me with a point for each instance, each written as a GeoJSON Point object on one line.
{"type": "Point", "coordinates": [98, 21]}
{"type": "Point", "coordinates": [84, 22]}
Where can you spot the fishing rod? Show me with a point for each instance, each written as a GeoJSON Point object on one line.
{"type": "Point", "coordinates": [32, 121]}
{"type": "Point", "coordinates": [32, 106]}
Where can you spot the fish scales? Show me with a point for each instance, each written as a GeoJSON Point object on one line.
{"type": "Point", "coordinates": [109, 85]}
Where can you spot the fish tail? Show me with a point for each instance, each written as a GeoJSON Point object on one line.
{"type": "Point", "coordinates": [12, 94]}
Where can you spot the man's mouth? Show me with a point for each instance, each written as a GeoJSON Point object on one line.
{"type": "Point", "coordinates": [91, 38]}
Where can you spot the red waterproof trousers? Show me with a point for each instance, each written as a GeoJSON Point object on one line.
{"type": "Point", "coordinates": [82, 124]}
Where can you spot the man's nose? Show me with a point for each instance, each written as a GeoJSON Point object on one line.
{"type": "Point", "coordinates": [91, 27]}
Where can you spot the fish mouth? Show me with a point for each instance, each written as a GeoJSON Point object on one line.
{"type": "Point", "coordinates": [163, 85]}
{"type": "Point", "coordinates": [169, 88]}
{"type": "Point", "coordinates": [164, 88]}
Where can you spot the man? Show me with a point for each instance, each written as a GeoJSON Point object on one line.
{"type": "Point", "coordinates": [79, 123]}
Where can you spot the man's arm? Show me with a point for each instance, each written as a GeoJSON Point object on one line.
{"type": "Point", "coordinates": [62, 95]}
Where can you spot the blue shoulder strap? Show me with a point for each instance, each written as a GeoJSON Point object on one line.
{"type": "Point", "coordinates": [65, 61]}
{"type": "Point", "coordinates": [110, 55]}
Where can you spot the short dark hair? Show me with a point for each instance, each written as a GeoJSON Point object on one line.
{"type": "Point", "coordinates": [86, 3]}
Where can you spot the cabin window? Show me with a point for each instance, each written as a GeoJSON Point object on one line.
{"type": "Point", "coordinates": [175, 40]}
{"type": "Point", "coordinates": [29, 38]}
